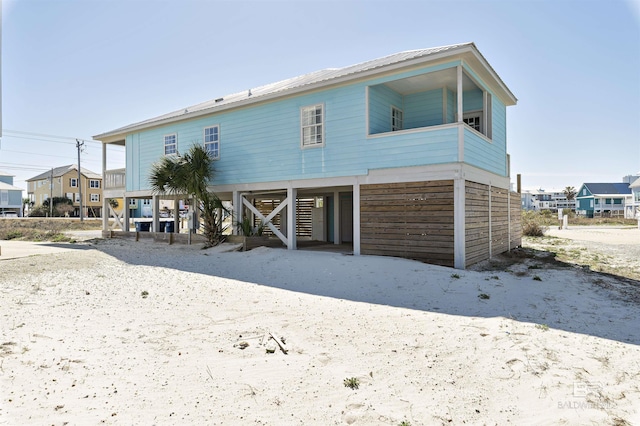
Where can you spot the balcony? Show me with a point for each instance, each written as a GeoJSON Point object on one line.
{"type": "Point", "coordinates": [114, 183]}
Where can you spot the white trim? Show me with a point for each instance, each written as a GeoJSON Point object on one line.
{"type": "Point", "coordinates": [367, 130]}
{"type": "Point", "coordinates": [490, 226]}
{"type": "Point", "coordinates": [444, 105]}
{"type": "Point", "coordinates": [413, 130]}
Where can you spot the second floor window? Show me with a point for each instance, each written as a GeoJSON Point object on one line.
{"type": "Point", "coordinates": [170, 144]}
{"type": "Point", "coordinates": [212, 141]}
{"type": "Point", "coordinates": [73, 182]}
{"type": "Point", "coordinates": [474, 120]}
{"type": "Point", "coordinates": [94, 184]}
{"type": "Point", "coordinates": [312, 125]}
{"type": "Point", "coordinates": [397, 119]}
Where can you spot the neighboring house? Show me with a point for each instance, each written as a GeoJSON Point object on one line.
{"type": "Point", "coordinates": [63, 182]}
{"type": "Point", "coordinates": [603, 199]}
{"type": "Point", "coordinates": [634, 206]}
{"type": "Point", "coordinates": [10, 196]}
{"type": "Point", "coordinates": [404, 155]}
{"type": "Point", "coordinates": [540, 199]}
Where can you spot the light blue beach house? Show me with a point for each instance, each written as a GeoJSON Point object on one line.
{"type": "Point", "coordinates": [404, 155]}
{"type": "Point", "coordinates": [10, 197]}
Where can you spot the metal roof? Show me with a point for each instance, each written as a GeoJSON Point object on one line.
{"type": "Point", "coordinates": [325, 76]}
{"type": "Point", "coordinates": [61, 171]}
{"type": "Point", "coordinates": [617, 188]}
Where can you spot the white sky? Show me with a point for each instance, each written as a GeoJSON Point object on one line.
{"type": "Point", "coordinates": [77, 68]}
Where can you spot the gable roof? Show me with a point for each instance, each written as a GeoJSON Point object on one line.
{"type": "Point", "coordinates": [2, 173]}
{"type": "Point", "coordinates": [319, 79]}
{"type": "Point", "coordinates": [61, 171]}
{"type": "Point", "coordinates": [617, 188]}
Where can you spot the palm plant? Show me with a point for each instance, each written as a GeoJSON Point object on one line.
{"type": "Point", "coordinates": [570, 192]}
{"type": "Point", "coordinates": [189, 175]}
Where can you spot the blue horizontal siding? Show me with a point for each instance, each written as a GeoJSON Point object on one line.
{"type": "Point", "coordinates": [483, 154]}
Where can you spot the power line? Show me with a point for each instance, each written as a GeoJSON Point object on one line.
{"type": "Point", "coordinates": [45, 135]}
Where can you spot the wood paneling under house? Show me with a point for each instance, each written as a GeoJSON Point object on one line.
{"type": "Point", "coordinates": [413, 220]}
{"type": "Point", "coordinates": [492, 221]}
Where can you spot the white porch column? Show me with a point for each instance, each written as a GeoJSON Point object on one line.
{"type": "Point", "coordinates": [237, 212]}
{"type": "Point", "coordinates": [336, 218]}
{"type": "Point", "coordinates": [356, 218]}
{"type": "Point", "coordinates": [156, 213]}
{"type": "Point", "coordinates": [126, 213]}
{"type": "Point", "coordinates": [292, 193]}
{"type": "Point", "coordinates": [459, 250]}
{"type": "Point", "coordinates": [460, 115]}
{"type": "Point", "coordinates": [105, 205]}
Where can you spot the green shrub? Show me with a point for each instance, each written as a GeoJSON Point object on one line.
{"type": "Point", "coordinates": [533, 224]}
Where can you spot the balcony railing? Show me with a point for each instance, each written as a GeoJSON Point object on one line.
{"type": "Point", "coordinates": [115, 179]}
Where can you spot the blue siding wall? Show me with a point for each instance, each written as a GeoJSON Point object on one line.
{"type": "Point", "coordinates": [15, 198]}
{"type": "Point", "coordinates": [472, 100]}
{"type": "Point", "coordinates": [6, 179]}
{"type": "Point", "coordinates": [381, 99]}
{"type": "Point", "coordinates": [423, 109]}
{"type": "Point", "coordinates": [487, 155]}
{"type": "Point", "coordinates": [452, 106]}
{"type": "Point", "coordinates": [261, 142]}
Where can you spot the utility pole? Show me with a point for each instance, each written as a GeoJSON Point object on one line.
{"type": "Point", "coordinates": [51, 194]}
{"type": "Point", "coordinates": [79, 145]}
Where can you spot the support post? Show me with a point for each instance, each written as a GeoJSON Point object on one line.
{"type": "Point", "coordinates": [356, 218]}
{"type": "Point", "coordinates": [105, 204]}
{"type": "Point", "coordinates": [459, 252]}
{"type": "Point", "coordinates": [292, 193]}
{"type": "Point", "coordinates": [126, 213]}
{"type": "Point", "coordinates": [237, 212]}
{"type": "Point", "coordinates": [156, 213]}
{"type": "Point", "coordinates": [336, 218]}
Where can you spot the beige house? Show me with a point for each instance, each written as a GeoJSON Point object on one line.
{"type": "Point", "coordinates": [63, 182]}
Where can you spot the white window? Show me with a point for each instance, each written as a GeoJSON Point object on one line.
{"type": "Point", "coordinates": [94, 184]}
{"type": "Point", "coordinates": [473, 120]}
{"type": "Point", "coordinates": [170, 144]}
{"type": "Point", "coordinates": [397, 119]}
{"type": "Point", "coordinates": [95, 198]}
{"type": "Point", "coordinates": [77, 197]}
{"type": "Point", "coordinates": [4, 198]}
{"type": "Point", "coordinates": [312, 124]}
{"type": "Point", "coordinates": [69, 195]}
{"type": "Point", "coordinates": [212, 141]}
{"type": "Point", "coordinates": [73, 182]}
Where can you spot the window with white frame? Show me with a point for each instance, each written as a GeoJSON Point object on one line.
{"type": "Point", "coordinates": [397, 119]}
{"type": "Point", "coordinates": [95, 198]}
{"type": "Point", "coordinates": [77, 197]}
{"type": "Point", "coordinates": [94, 183]}
{"type": "Point", "coordinates": [212, 141]}
{"type": "Point", "coordinates": [312, 124]}
{"type": "Point", "coordinates": [170, 144]}
{"type": "Point", "coordinates": [73, 182]}
{"type": "Point", "coordinates": [473, 120]}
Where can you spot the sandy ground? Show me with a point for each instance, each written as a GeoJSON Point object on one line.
{"type": "Point", "coordinates": [118, 332]}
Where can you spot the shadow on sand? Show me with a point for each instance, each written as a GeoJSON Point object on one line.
{"type": "Point", "coordinates": [527, 286]}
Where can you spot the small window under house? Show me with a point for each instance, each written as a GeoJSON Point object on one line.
{"type": "Point", "coordinates": [397, 119]}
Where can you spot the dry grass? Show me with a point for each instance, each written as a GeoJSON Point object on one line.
{"type": "Point", "coordinates": [43, 229]}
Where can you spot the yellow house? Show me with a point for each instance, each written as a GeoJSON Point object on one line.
{"type": "Point", "coordinates": [63, 182]}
